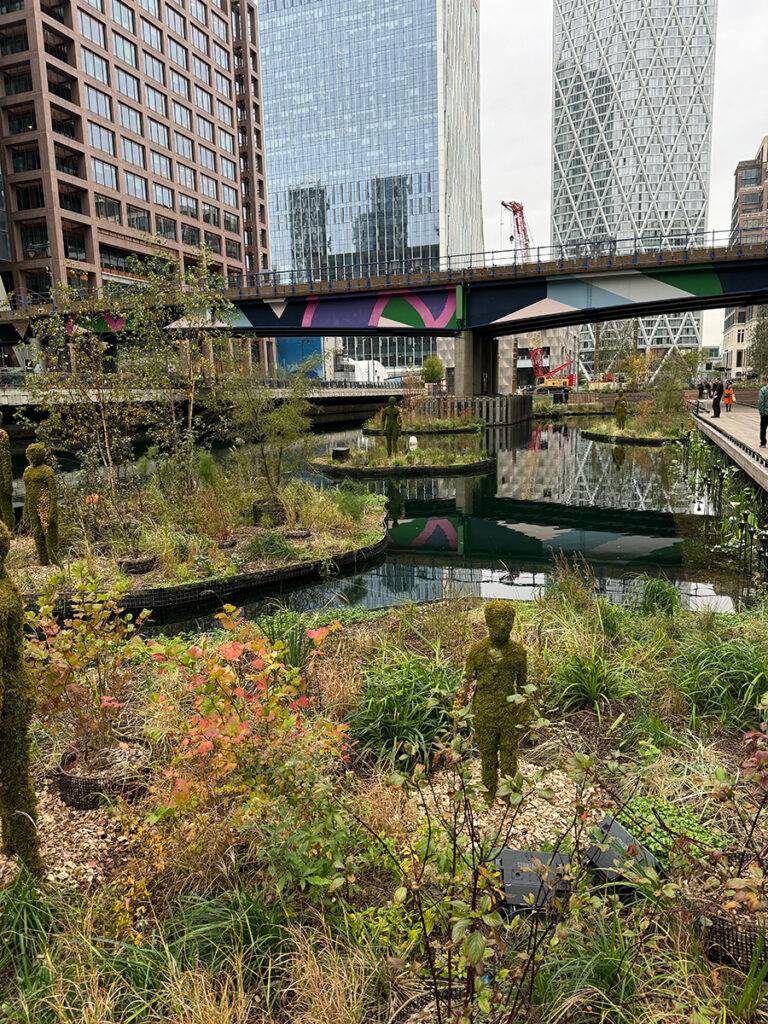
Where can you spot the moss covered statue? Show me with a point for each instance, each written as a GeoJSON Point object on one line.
{"type": "Point", "coordinates": [18, 806]}
{"type": "Point", "coordinates": [6, 480]}
{"type": "Point", "coordinates": [41, 505]}
{"type": "Point", "coordinates": [391, 425]}
{"type": "Point", "coordinates": [620, 409]}
{"type": "Point", "coordinates": [498, 668]}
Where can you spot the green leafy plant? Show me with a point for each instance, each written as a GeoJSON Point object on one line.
{"type": "Point", "coordinates": [664, 825]}
{"type": "Point", "coordinates": [352, 499]}
{"type": "Point", "coordinates": [723, 678]}
{"type": "Point", "coordinates": [271, 545]}
{"type": "Point", "coordinates": [656, 595]}
{"type": "Point", "coordinates": [289, 630]}
{"type": "Point", "coordinates": [588, 681]}
{"type": "Point", "coordinates": [405, 708]}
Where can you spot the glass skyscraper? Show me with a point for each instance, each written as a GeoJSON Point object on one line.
{"type": "Point", "coordinates": [371, 128]}
{"type": "Point", "coordinates": [632, 127]}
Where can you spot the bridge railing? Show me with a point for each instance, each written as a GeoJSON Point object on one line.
{"type": "Point", "coordinates": [575, 254]}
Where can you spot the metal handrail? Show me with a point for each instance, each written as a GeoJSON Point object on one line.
{"type": "Point", "coordinates": [578, 254]}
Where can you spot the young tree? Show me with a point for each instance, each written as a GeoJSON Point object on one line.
{"type": "Point", "coordinates": [617, 342]}
{"type": "Point", "coordinates": [433, 370]}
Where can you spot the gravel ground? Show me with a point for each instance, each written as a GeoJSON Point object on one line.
{"type": "Point", "coordinates": [81, 848]}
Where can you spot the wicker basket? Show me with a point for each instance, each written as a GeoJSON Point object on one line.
{"type": "Point", "coordinates": [85, 792]}
{"type": "Point", "coordinates": [728, 942]}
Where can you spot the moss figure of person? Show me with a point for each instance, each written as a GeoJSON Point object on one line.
{"type": "Point", "coordinates": [498, 668]}
{"type": "Point", "coordinates": [620, 409]}
{"type": "Point", "coordinates": [18, 806]}
{"type": "Point", "coordinates": [6, 480]}
{"type": "Point", "coordinates": [391, 425]}
{"type": "Point", "coordinates": [41, 505]}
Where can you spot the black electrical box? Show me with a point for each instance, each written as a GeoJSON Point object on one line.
{"type": "Point", "coordinates": [531, 878]}
{"type": "Point", "coordinates": [608, 857]}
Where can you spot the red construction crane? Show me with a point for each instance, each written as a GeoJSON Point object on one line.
{"type": "Point", "coordinates": [521, 237]}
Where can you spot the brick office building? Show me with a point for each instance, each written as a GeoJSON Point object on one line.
{"type": "Point", "coordinates": [122, 119]}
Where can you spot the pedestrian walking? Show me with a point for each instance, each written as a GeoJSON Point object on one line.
{"type": "Point", "coordinates": [728, 398]}
{"type": "Point", "coordinates": [717, 397]}
{"type": "Point", "coordinates": [762, 408]}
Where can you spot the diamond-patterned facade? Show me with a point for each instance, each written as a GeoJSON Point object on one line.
{"type": "Point", "coordinates": [632, 128]}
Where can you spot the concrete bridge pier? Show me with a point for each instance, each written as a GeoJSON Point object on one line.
{"type": "Point", "coordinates": [477, 365]}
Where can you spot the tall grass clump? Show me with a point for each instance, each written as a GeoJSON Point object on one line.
{"type": "Point", "coordinates": [656, 596]}
{"type": "Point", "coordinates": [587, 681]}
{"type": "Point", "coordinates": [405, 708]}
{"type": "Point", "coordinates": [723, 679]}
{"type": "Point", "coordinates": [289, 629]}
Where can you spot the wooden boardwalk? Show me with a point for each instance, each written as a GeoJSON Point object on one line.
{"type": "Point", "coordinates": [737, 433]}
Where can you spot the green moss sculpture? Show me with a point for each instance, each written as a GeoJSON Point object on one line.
{"type": "Point", "coordinates": [620, 409]}
{"type": "Point", "coordinates": [391, 425]}
{"type": "Point", "coordinates": [498, 668]}
{"type": "Point", "coordinates": [18, 806]}
{"type": "Point", "coordinates": [41, 505]}
{"type": "Point", "coordinates": [6, 480]}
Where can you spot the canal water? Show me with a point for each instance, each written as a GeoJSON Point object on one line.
{"type": "Point", "coordinates": [628, 511]}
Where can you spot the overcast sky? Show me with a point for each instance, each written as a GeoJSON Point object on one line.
{"type": "Point", "coordinates": [516, 114]}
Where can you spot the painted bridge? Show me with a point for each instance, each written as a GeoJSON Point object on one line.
{"type": "Point", "coordinates": [482, 298]}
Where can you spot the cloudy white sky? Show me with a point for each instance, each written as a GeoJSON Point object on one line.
{"type": "Point", "coordinates": [516, 70]}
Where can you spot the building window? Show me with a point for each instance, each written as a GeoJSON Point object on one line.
{"type": "Point", "coordinates": [151, 35]}
{"type": "Point", "coordinates": [103, 173]}
{"type": "Point", "coordinates": [203, 99]}
{"type": "Point", "coordinates": [198, 39]}
{"type": "Point", "coordinates": [186, 176]}
{"type": "Point", "coordinates": [178, 54]}
{"type": "Point", "coordinates": [206, 157]}
{"type": "Point", "coordinates": [226, 140]}
{"type": "Point", "coordinates": [197, 10]}
{"type": "Point", "coordinates": [221, 56]}
{"type": "Point", "coordinates": [228, 168]}
{"type": "Point", "coordinates": [224, 113]}
{"type": "Point", "coordinates": [107, 209]}
{"type": "Point", "coordinates": [125, 49]}
{"type": "Point", "coordinates": [175, 21]}
{"type": "Point", "coordinates": [740, 357]}
{"type": "Point", "coordinates": [123, 15]}
{"type": "Point", "coordinates": [163, 195]}
{"type": "Point", "coordinates": [233, 249]}
{"type": "Point", "coordinates": [210, 215]}
{"type": "Point", "coordinates": [165, 227]}
{"type": "Point", "coordinates": [101, 138]}
{"type": "Point", "coordinates": [179, 84]}
{"type": "Point", "coordinates": [151, 7]}
{"type": "Point", "coordinates": [153, 67]}
{"type": "Point", "coordinates": [229, 196]}
{"type": "Point", "coordinates": [156, 101]}
{"type": "Point", "coordinates": [751, 176]}
{"type": "Point", "coordinates": [135, 185]}
{"type": "Point", "coordinates": [133, 153]}
{"type": "Point", "coordinates": [181, 115]}
{"type": "Point", "coordinates": [187, 206]}
{"type": "Point", "coordinates": [137, 219]}
{"type": "Point", "coordinates": [30, 198]}
{"type": "Point", "coordinates": [127, 84]}
{"type": "Point", "coordinates": [157, 132]}
{"type": "Point", "coordinates": [97, 5]}
{"type": "Point", "coordinates": [219, 27]}
{"type": "Point", "coordinates": [231, 223]}
{"type": "Point", "coordinates": [201, 70]}
{"type": "Point", "coordinates": [74, 244]}
{"type": "Point", "coordinates": [161, 165]}
{"type": "Point", "coordinates": [129, 118]}
{"type": "Point", "coordinates": [223, 85]}
{"type": "Point", "coordinates": [94, 65]}
{"type": "Point", "coordinates": [208, 186]}
{"type": "Point", "coordinates": [92, 29]}
{"type": "Point", "coordinates": [213, 241]}
{"type": "Point", "coordinates": [190, 235]}
{"type": "Point", "coordinates": [98, 102]}
{"type": "Point", "coordinates": [183, 146]}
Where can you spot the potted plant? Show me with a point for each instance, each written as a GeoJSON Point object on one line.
{"type": "Point", "coordinates": [84, 666]}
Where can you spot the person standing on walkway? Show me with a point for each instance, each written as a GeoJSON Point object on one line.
{"type": "Point", "coordinates": [762, 408]}
{"type": "Point", "coordinates": [728, 398]}
{"type": "Point", "coordinates": [717, 396]}
{"type": "Point", "coordinates": [701, 389]}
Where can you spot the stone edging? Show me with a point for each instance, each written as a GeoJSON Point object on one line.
{"type": "Point", "coordinates": [645, 442]}
{"type": "Point", "coordinates": [341, 469]}
{"type": "Point", "coordinates": [220, 590]}
{"type": "Point", "coordinates": [371, 432]}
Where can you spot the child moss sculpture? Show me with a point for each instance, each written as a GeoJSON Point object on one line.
{"type": "Point", "coordinates": [498, 668]}
{"type": "Point", "coordinates": [620, 409]}
{"type": "Point", "coordinates": [391, 425]}
{"type": "Point", "coordinates": [6, 480]}
{"type": "Point", "coordinates": [41, 505]}
{"type": "Point", "coordinates": [18, 806]}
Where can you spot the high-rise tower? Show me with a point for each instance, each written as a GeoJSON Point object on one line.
{"type": "Point", "coordinates": [371, 127]}
{"type": "Point", "coordinates": [632, 125]}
